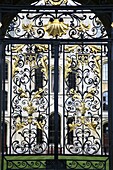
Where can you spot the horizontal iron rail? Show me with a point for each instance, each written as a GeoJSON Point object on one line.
{"type": "Point", "coordinates": [49, 41]}
{"type": "Point", "coordinates": [16, 8]}
{"type": "Point", "coordinates": [63, 155]}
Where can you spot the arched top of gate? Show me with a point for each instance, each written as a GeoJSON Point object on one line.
{"type": "Point", "coordinates": [56, 19]}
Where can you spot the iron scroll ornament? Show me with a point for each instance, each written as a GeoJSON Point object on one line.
{"type": "Point", "coordinates": [67, 25]}
{"type": "Point", "coordinates": [83, 104]}
{"type": "Point", "coordinates": [29, 105]}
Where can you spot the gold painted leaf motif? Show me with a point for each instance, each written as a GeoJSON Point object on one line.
{"type": "Point", "coordinates": [30, 108]}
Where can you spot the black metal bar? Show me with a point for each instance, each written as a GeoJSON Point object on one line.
{"type": "Point", "coordinates": [110, 100]}
{"type": "Point", "coordinates": [101, 97]}
{"type": "Point", "coordinates": [3, 102]}
{"type": "Point", "coordinates": [49, 111]}
{"type": "Point", "coordinates": [95, 41]}
{"type": "Point", "coordinates": [56, 51]}
{"type": "Point", "coordinates": [64, 59]}
{"type": "Point", "coordinates": [1, 160]}
{"type": "Point", "coordinates": [17, 8]}
{"type": "Point", "coordinates": [10, 100]}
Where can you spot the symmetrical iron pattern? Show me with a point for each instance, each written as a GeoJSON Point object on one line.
{"type": "Point", "coordinates": [63, 24]}
{"type": "Point", "coordinates": [83, 103]}
{"type": "Point", "coordinates": [29, 102]}
{"type": "Point", "coordinates": [63, 44]}
{"type": "Point", "coordinates": [62, 164]}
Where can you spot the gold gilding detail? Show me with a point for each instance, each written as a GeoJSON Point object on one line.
{"type": "Point", "coordinates": [56, 2]}
{"type": "Point", "coordinates": [28, 27]}
{"type": "Point", "coordinates": [94, 48]}
{"type": "Point", "coordinates": [90, 93]}
{"type": "Point", "coordinates": [68, 66]}
{"type": "Point", "coordinates": [74, 94]}
{"type": "Point", "coordinates": [19, 125]}
{"type": "Point", "coordinates": [22, 93]}
{"type": "Point", "coordinates": [83, 59]}
{"type": "Point", "coordinates": [112, 24]}
{"type": "Point", "coordinates": [30, 119]}
{"type": "Point", "coordinates": [38, 93]}
{"type": "Point", "coordinates": [97, 69]}
{"type": "Point", "coordinates": [83, 108]}
{"type": "Point", "coordinates": [18, 48]}
{"type": "Point", "coordinates": [30, 59]}
{"type": "Point", "coordinates": [83, 28]}
{"type": "Point", "coordinates": [30, 108]}
{"type": "Point", "coordinates": [44, 66]}
{"type": "Point", "coordinates": [41, 48]}
{"type": "Point", "coordinates": [91, 125]}
{"type": "Point", "coordinates": [71, 48]}
{"type": "Point", "coordinates": [56, 28]}
{"type": "Point", "coordinates": [40, 125]}
{"type": "Point", "coordinates": [15, 65]}
{"type": "Point", "coordinates": [73, 126]}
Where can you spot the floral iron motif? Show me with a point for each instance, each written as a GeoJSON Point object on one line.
{"type": "Point", "coordinates": [68, 66]}
{"type": "Point", "coordinates": [44, 65]}
{"type": "Point", "coordinates": [91, 125]}
{"type": "Point", "coordinates": [28, 28]}
{"type": "Point", "coordinates": [15, 65]}
{"type": "Point", "coordinates": [30, 109]}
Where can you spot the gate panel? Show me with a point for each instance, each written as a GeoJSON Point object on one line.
{"type": "Point", "coordinates": [29, 99]}
{"type": "Point", "coordinates": [55, 106]}
{"type": "Point", "coordinates": [32, 99]}
{"type": "Point", "coordinates": [83, 84]}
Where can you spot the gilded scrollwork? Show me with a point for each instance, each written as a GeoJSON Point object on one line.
{"type": "Point", "coordinates": [40, 125]}
{"type": "Point", "coordinates": [97, 69]}
{"type": "Point", "coordinates": [82, 59]}
{"type": "Point", "coordinates": [83, 108]}
{"type": "Point", "coordinates": [30, 59]}
{"type": "Point", "coordinates": [29, 102]}
{"type": "Point", "coordinates": [83, 27]}
{"type": "Point", "coordinates": [28, 27]}
{"type": "Point", "coordinates": [41, 47]}
{"type": "Point", "coordinates": [44, 65]}
{"type": "Point", "coordinates": [18, 48]}
{"type": "Point", "coordinates": [82, 121]}
{"type": "Point", "coordinates": [22, 93]}
{"type": "Point", "coordinates": [72, 24]}
{"type": "Point", "coordinates": [68, 66]}
{"type": "Point", "coordinates": [30, 109]}
{"type": "Point", "coordinates": [38, 93]}
{"type": "Point", "coordinates": [83, 100]}
{"type": "Point", "coordinates": [15, 65]}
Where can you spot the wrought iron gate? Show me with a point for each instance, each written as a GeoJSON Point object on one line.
{"type": "Point", "coordinates": [52, 87]}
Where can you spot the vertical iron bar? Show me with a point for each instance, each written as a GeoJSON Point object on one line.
{"type": "Point", "coordinates": [110, 99]}
{"type": "Point", "coordinates": [1, 160]}
{"type": "Point", "coordinates": [3, 101]}
{"type": "Point", "coordinates": [49, 56]}
{"type": "Point", "coordinates": [64, 59]}
{"type": "Point", "coordinates": [10, 80]}
{"type": "Point", "coordinates": [101, 77]}
{"type": "Point", "coordinates": [56, 51]}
